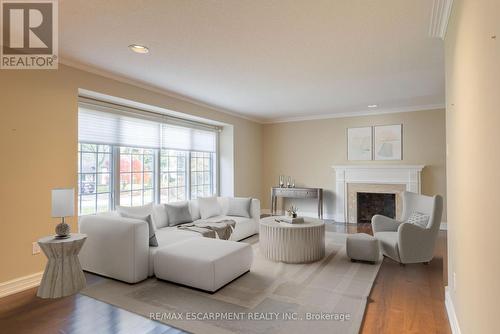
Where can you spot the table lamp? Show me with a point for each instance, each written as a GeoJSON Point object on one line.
{"type": "Point", "coordinates": [63, 205]}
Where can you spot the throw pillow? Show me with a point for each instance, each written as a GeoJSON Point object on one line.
{"type": "Point", "coordinates": [160, 218]}
{"type": "Point", "coordinates": [209, 207]}
{"type": "Point", "coordinates": [178, 213]}
{"type": "Point", "coordinates": [419, 219]}
{"type": "Point", "coordinates": [194, 208]}
{"type": "Point", "coordinates": [152, 236]}
{"type": "Point", "coordinates": [136, 211]}
{"type": "Point", "coordinates": [239, 207]}
{"type": "Point", "coordinates": [142, 211]}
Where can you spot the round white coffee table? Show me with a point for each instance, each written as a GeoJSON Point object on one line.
{"type": "Point", "coordinates": [292, 243]}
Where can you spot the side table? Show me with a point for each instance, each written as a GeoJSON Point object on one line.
{"type": "Point", "coordinates": [63, 275]}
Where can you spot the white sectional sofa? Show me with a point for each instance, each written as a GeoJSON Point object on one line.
{"type": "Point", "coordinates": [118, 247]}
{"type": "Point", "coordinates": [204, 263]}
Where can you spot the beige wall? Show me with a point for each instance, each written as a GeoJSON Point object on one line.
{"type": "Point", "coordinates": [38, 142]}
{"type": "Point", "coordinates": [473, 137]}
{"type": "Point", "coordinates": [306, 151]}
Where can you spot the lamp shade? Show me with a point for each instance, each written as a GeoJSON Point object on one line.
{"type": "Point", "coordinates": [63, 202]}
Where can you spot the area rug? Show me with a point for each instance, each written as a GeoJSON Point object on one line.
{"type": "Point", "coordinates": [328, 296]}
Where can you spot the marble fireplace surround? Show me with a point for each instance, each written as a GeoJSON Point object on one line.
{"type": "Point", "coordinates": [351, 179]}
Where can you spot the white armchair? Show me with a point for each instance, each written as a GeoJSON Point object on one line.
{"type": "Point", "coordinates": [409, 243]}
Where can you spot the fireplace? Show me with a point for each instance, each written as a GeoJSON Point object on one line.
{"type": "Point", "coordinates": [370, 204]}
{"type": "Point", "coordinates": [376, 178]}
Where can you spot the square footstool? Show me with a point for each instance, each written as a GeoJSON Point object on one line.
{"type": "Point", "coordinates": [362, 247]}
{"type": "Point", "coordinates": [203, 263]}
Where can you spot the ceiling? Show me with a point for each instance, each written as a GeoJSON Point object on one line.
{"type": "Point", "coordinates": [267, 60]}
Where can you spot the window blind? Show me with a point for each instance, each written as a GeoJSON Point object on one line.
{"type": "Point", "coordinates": [115, 127]}
{"type": "Point", "coordinates": [182, 138]}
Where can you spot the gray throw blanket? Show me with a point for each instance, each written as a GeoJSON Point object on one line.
{"type": "Point", "coordinates": [223, 229]}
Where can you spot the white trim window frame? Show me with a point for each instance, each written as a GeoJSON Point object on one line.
{"type": "Point", "coordinates": [95, 178]}
{"type": "Point", "coordinates": [187, 183]}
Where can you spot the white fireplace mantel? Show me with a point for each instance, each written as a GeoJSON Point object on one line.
{"type": "Point", "coordinates": [408, 175]}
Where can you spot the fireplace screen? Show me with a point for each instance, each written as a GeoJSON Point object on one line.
{"type": "Point", "coordinates": [370, 204]}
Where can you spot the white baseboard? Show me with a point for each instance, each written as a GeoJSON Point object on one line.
{"type": "Point", "coordinates": [450, 309]}
{"type": "Point", "coordinates": [20, 284]}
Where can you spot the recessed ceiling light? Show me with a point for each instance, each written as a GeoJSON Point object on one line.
{"type": "Point", "coordinates": [139, 48]}
{"type": "Point", "coordinates": [372, 106]}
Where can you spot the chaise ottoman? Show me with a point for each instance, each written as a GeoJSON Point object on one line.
{"type": "Point", "coordinates": [203, 263]}
{"type": "Point", "coordinates": [363, 247]}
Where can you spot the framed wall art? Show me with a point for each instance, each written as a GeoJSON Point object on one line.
{"type": "Point", "coordinates": [359, 143]}
{"type": "Point", "coordinates": [388, 142]}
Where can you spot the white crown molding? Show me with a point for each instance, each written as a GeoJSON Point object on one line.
{"type": "Point", "coordinates": [450, 309]}
{"type": "Point", "coordinates": [357, 113]}
{"type": "Point", "coordinates": [20, 284]}
{"type": "Point", "coordinates": [441, 10]}
{"type": "Point", "coordinates": [152, 88]}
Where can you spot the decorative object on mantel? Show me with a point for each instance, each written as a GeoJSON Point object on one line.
{"type": "Point", "coordinates": [63, 275]}
{"type": "Point", "coordinates": [292, 211]}
{"type": "Point", "coordinates": [63, 205]}
{"type": "Point", "coordinates": [359, 143]}
{"type": "Point", "coordinates": [387, 142]}
{"type": "Point", "coordinates": [306, 193]}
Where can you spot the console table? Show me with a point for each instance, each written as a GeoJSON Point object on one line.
{"type": "Point", "coordinates": [312, 193]}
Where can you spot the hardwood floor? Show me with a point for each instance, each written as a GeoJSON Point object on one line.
{"type": "Point", "coordinates": [409, 298]}
{"type": "Point", "coordinates": [404, 299]}
{"type": "Point", "coordinates": [26, 313]}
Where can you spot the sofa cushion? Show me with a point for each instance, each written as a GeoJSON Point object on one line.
{"type": "Point", "coordinates": [239, 207]}
{"type": "Point", "coordinates": [157, 212]}
{"type": "Point", "coordinates": [194, 208]}
{"type": "Point", "coordinates": [152, 236]}
{"type": "Point", "coordinates": [167, 236]}
{"type": "Point", "coordinates": [203, 263]}
{"type": "Point", "coordinates": [209, 207]}
{"type": "Point", "coordinates": [160, 218]}
{"type": "Point", "coordinates": [138, 211]}
{"type": "Point", "coordinates": [178, 213]}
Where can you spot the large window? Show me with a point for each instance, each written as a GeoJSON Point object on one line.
{"type": "Point", "coordinates": [137, 167]}
{"type": "Point", "coordinates": [173, 176]}
{"type": "Point", "coordinates": [133, 160]}
{"type": "Point", "coordinates": [202, 176]}
{"type": "Point", "coordinates": [95, 178]}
